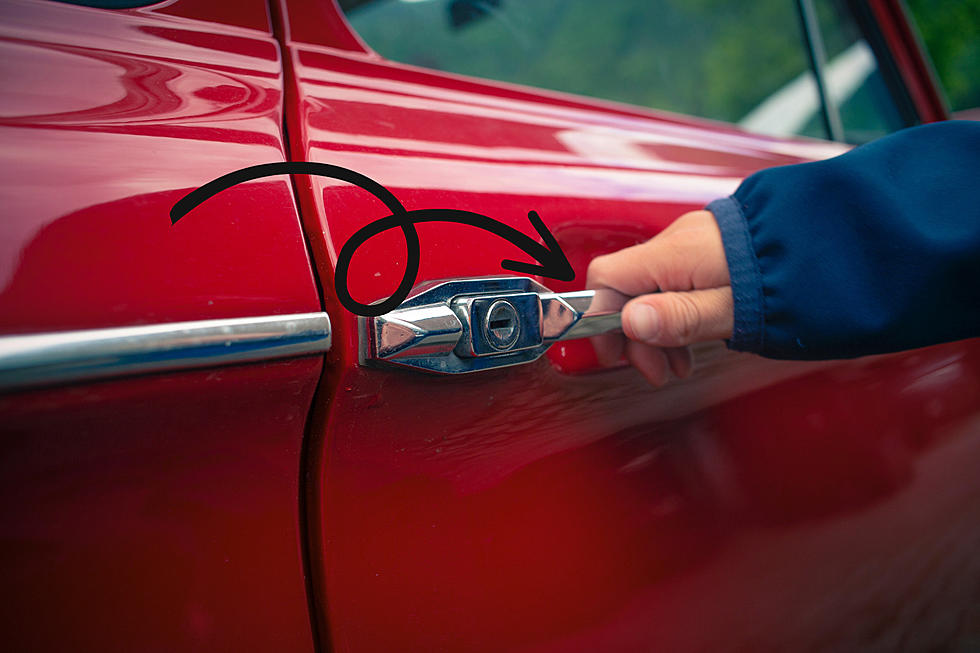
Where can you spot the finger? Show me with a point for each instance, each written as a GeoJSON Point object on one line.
{"type": "Point", "coordinates": [609, 348]}
{"type": "Point", "coordinates": [688, 254]}
{"type": "Point", "coordinates": [650, 361]}
{"type": "Point", "coordinates": [680, 360]}
{"type": "Point", "coordinates": [678, 319]}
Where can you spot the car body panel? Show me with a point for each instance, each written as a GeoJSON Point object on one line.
{"type": "Point", "coordinates": [758, 505]}
{"type": "Point", "coordinates": [157, 512]}
{"type": "Point", "coordinates": [113, 117]}
{"type": "Point", "coordinates": [315, 504]}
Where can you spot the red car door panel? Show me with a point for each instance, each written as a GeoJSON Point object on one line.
{"type": "Point", "coordinates": [314, 503]}
{"type": "Point", "coordinates": [758, 505]}
{"type": "Point", "coordinates": [113, 117]}
{"type": "Point", "coordinates": [158, 513]}
{"type": "Point", "coordinates": [161, 512]}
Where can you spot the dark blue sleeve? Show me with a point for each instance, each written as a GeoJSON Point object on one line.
{"type": "Point", "coordinates": [873, 251]}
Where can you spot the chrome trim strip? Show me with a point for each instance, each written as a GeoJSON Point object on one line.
{"type": "Point", "coordinates": [60, 357]}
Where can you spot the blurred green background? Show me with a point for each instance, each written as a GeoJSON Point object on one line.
{"type": "Point", "coordinates": [951, 32]}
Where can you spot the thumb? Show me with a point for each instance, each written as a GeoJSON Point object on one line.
{"type": "Point", "coordinates": [678, 319]}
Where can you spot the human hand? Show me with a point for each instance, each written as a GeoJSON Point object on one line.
{"type": "Point", "coordinates": [686, 262]}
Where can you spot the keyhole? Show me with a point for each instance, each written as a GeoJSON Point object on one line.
{"type": "Point", "coordinates": [502, 325]}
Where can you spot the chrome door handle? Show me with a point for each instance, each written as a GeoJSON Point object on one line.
{"type": "Point", "coordinates": [466, 325]}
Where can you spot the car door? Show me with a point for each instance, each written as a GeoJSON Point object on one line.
{"type": "Point", "coordinates": [155, 378]}
{"type": "Point", "coordinates": [556, 506]}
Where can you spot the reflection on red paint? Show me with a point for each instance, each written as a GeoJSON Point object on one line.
{"type": "Point", "coordinates": [100, 140]}
{"type": "Point", "coordinates": [155, 513]}
{"type": "Point", "coordinates": [759, 505]}
{"type": "Point", "coordinates": [511, 522]}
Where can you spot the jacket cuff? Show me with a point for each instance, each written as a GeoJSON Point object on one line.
{"type": "Point", "coordinates": [746, 278]}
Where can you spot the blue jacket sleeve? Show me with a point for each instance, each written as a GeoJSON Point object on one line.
{"type": "Point", "coordinates": [873, 251]}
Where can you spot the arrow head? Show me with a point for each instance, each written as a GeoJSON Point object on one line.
{"type": "Point", "coordinates": [553, 262]}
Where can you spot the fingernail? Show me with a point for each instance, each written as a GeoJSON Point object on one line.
{"type": "Point", "coordinates": [644, 322]}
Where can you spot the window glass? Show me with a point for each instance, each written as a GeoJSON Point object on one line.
{"type": "Point", "coordinates": [950, 30]}
{"type": "Point", "coordinates": [852, 78]}
{"type": "Point", "coordinates": [111, 4]}
{"type": "Point", "coordinates": [741, 62]}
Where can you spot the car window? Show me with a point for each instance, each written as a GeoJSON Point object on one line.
{"type": "Point", "coordinates": [853, 79]}
{"type": "Point", "coordinates": [685, 56]}
{"type": "Point", "coordinates": [860, 106]}
{"type": "Point", "coordinates": [950, 30]}
{"type": "Point", "coordinates": [745, 63]}
{"type": "Point", "coordinates": [111, 4]}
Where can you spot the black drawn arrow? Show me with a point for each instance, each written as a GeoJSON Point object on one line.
{"type": "Point", "coordinates": [552, 262]}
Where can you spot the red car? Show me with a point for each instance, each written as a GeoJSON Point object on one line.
{"type": "Point", "coordinates": [201, 449]}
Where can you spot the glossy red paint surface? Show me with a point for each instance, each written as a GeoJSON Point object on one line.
{"type": "Point", "coordinates": [250, 14]}
{"type": "Point", "coordinates": [107, 119]}
{"type": "Point", "coordinates": [156, 514]}
{"type": "Point", "coordinates": [759, 505]}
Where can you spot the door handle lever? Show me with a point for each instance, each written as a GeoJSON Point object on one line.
{"type": "Point", "coordinates": [596, 312]}
{"type": "Point", "coordinates": [467, 325]}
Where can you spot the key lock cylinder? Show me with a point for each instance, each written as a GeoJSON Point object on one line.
{"type": "Point", "coordinates": [467, 325]}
